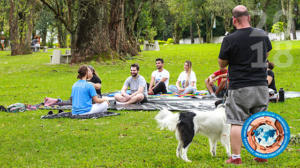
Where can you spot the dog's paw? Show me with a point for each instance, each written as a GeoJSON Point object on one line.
{"type": "Point", "coordinates": [187, 160]}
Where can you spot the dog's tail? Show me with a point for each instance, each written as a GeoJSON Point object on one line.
{"type": "Point", "coordinates": [167, 119]}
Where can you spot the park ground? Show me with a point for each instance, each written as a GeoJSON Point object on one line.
{"type": "Point", "coordinates": [131, 139]}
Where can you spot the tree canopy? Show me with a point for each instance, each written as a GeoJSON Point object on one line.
{"type": "Point", "coordinates": [113, 29]}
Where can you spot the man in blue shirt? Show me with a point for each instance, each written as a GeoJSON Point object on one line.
{"type": "Point", "coordinates": [84, 93]}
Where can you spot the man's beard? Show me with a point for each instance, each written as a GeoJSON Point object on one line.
{"type": "Point", "coordinates": [134, 75]}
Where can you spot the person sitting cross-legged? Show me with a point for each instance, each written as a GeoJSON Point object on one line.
{"type": "Point", "coordinates": [187, 79]}
{"type": "Point", "coordinates": [138, 88]}
{"type": "Point", "coordinates": [84, 93]}
{"type": "Point", "coordinates": [159, 79]}
{"type": "Point", "coordinates": [220, 90]}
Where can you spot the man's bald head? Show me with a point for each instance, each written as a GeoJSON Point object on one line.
{"type": "Point", "coordinates": [240, 11]}
{"type": "Point", "coordinates": [241, 17]}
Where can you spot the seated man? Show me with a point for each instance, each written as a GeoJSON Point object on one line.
{"type": "Point", "coordinates": [221, 76]}
{"type": "Point", "coordinates": [138, 88]}
{"type": "Point", "coordinates": [159, 79]}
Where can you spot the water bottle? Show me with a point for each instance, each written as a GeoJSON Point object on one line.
{"type": "Point", "coordinates": [281, 95]}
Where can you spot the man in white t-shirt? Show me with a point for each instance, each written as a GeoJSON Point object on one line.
{"type": "Point", "coordinates": [159, 79]}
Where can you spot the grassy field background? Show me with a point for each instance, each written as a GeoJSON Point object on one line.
{"type": "Point", "coordinates": [131, 139]}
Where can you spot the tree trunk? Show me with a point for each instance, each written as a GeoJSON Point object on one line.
{"type": "Point", "coordinates": [208, 30]}
{"type": "Point", "coordinates": [118, 40]}
{"type": "Point", "coordinates": [21, 27]}
{"type": "Point", "coordinates": [44, 37]}
{"type": "Point", "coordinates": [91, 37]}
{"type": "Point", "coordinates": [177, 33]}
{"type": "Point", "coordinates": [61, 35]}
{"type": "Point", "coordinates": [288, 12]}
{"type": "Point", "coordinates": [191, 34]}
{"type": "Point", "coordinates": [199, 32]}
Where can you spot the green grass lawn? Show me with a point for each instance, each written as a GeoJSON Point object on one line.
{"type": "Point", "coordinates": [131, 139]}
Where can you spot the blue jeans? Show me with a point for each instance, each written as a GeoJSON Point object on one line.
{"type": "Point", "coordinates": [187, 90]}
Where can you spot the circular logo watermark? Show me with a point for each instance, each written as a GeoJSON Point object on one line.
{"type": "Point", "coordinates": [265, 134]}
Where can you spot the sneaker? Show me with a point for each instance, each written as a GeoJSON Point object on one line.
{"type": "Point", "coordinates": [260, 160]}
{"type": "Point", "coordinates": [234, 161]}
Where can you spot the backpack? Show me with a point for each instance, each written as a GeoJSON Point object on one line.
{"type": "Point", "coordinates": [17, 107]}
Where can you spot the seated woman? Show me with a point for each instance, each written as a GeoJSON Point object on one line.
{"type": "Point", "coordinates": [83, 93]}
{"type": "Point", "coordinates": [271, 77]}
{"type": "Point", "coordinates": [187, 79]}
{"type": "Point", "coordinates": [95, 81]}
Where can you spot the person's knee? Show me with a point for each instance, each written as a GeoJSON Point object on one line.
{"type": "Point", "coordinates": [140, 97]}
{"type": "Point", "coordinates": [117, 96]}
{"type": "Point", "coordinates": [206, 81]}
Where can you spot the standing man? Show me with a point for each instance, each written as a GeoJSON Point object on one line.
{"type": "Point", "coordinates": [159, 79]}
{"type": "Point", "coordinates": [137, 85]}
{"type": "Point", "coordinates": [245, 52]}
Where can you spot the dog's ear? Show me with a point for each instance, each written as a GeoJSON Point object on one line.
{"type": "Point", "coordinates": [218, 102]}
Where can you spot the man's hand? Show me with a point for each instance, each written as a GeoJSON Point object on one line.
{"type": "Point", "coordinates": [150, 91]}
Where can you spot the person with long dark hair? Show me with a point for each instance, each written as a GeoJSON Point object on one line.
{"type": "Point", "coordinates": [95, 81]}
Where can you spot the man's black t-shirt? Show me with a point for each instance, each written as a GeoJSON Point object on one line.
{"type": "Point", "coordinates": [272, 84]}
{"type": "Point", "coordinates": [96, 79]}
{"type": "Point", "coordinates": [243, 49]}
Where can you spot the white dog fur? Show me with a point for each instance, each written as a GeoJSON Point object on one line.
{"type": "Point", "coordinates": [187, 124]}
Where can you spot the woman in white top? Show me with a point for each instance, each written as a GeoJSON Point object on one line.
{"type": "Point", "coordinates": [187, 80]}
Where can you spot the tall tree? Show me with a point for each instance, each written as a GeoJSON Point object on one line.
{"type": "Point", "coordinates": [97, 28]}
{"type": "Point", "coordinates": [21, 26]}
{"type": "Point", "coordinates": [178, 8]}
{"type": "Point", "coordinates": [288, 11]}
{"type": "Point", "coordinates": [43, 23]}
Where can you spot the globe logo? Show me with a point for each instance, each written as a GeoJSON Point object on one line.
{"type": "Point", "coordinates": [265, 134]}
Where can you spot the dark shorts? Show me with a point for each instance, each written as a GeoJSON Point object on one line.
{"type": "Point", "coordinates": [144, 100]}
{"type": "Point", "coordinates": [243, 102]}
{"type": "Point", "coordinates": [221, 93]}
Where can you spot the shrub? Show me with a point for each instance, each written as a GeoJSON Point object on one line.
{"type": "Point", "coordinates": [170, 41]}
{"type": "Point", "coordinates": [141, 41]}
{"type": "Point", "coordinates": [278, 27]}
{"type": "Point", "coordinates": [161, 42]}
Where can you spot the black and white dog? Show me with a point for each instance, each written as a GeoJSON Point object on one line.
{"type": "Point", "coordinates": [187, 124]}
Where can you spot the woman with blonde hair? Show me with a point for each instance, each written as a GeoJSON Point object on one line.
{"type": "Point", "coordinates": [186, 82]}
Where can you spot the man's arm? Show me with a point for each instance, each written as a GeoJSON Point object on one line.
{"type": "Point", "coordinates": [151, 83]}
{"type": "Point", "coordinates": [211, 77]}
{"type": "Point", "coordinates": [98, 100]}
{"type": "Point", "coordinates": [223, 76]}
{"type": "Point", "coordinates": [123, 91]}
{"type": "Point", "coordinates": [140, 90]}
{"type": "Point", "coordinates": [162, 80]}
{"type": "Point", "coordinates": [269, 78]}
